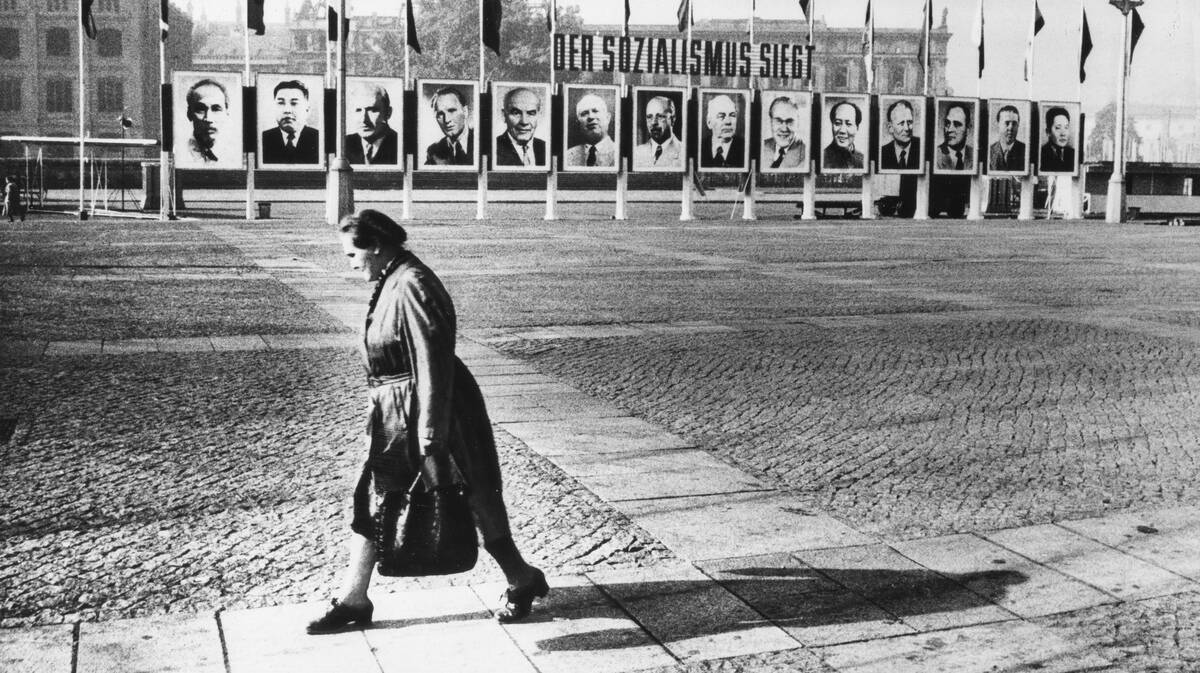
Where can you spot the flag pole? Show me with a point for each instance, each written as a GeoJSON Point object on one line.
{"type": "Point", "coordinates": [808, 199]}
{"type": "Point", "coordinates": [339, 195]}
{"type": "Point", "coordinates": [689, 177]}
{"type": "Point", "coordinates": [82, 110]}
{"type": "Point", "coordinates": [921, 211]}
{"type": "Point", "coordinates": [406, 204]}
{"type": "Point", "coordinates": [552, 154]}
{"type": "Point", "coordinates": [975, 196]}
{"type": "Point", "coordinates": [165, 193]}
{"type": "Point", "coordinates": [1115, 203]}
{"type": "Point", "coordinates": [1029, 181]}
{"type": "Point", "coordinates": [748, 193]}
{"type": "Point", "coordinates": [481, 190]}
{"type": "Point", "coordinates": [868, 194]}
{"type": "Point", "coordinates": [248, 156]}
{"type": "Point", "coordinates": [1077, 184]}
{"type": "Point", "coordinates": [622, 165]}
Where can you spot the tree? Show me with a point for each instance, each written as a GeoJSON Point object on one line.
{"type": "Point", "coordinates": [1100, 141]}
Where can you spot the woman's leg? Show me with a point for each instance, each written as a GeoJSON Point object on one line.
{"type": "Point", "coordinates": [357, 579]}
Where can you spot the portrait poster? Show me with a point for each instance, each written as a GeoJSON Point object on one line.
{"type": "Point", "coordinates": [592, 119]}
{"type": "Point", "coordinates": [290, 125]}
{"type": "Point", "coordinates": [521, 120]}
{"type": "Point", "coordinates": [901, 135]}
{"type": "Point", "coordinates": [956, 134]}
{"type": "Point", "coordinates": [447, 118]}
{"type": "Point", "coordinates": [724, 143]}
{"type": "Point", "coordinates": [845, 140]}
{"type": "Point", "coordinates": [375, 123]}
{"type": "Point", "coordinates": [1008, 136]}
{"type": "Point", "coordinates": [660, 128]}
{"type": "Point", "coordinates": [1057, 151]}
{"type": "Point", "coordinates": [786, 127]}
{"type": "Point", "coordinates": [207, 120]}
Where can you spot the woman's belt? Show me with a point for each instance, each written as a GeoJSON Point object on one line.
{"type": "Point", "coordinates": [376, 381]}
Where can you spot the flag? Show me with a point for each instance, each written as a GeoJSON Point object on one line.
{"type": "Point", "coordinates": [493, 14]}
{"type": "Point", "coordinates": [254, 16]}
{"type": "Point", "coordinates": [926, 29]}
{"type": "Point", "coordinates": [804, 8]}
{"type": "Point", "coordinates": [626, 17]}
{"type": "Point", "coordinates": [1085, 47]}
{"type": "Point", "coordinates": [333, 22]}
{"type": "Point", "coordinates": [411, 24]}
{"type": "Point", "coordinates": [868, 46]}
{"type": "Point", "coordinates": [163, 24]}
{"type": "Point", "coordinates": [551, 15]}
{"type": "Point", "coordinates": [1138, 27]}
{"type": "Point", "coordinates": [977, 35]}
{"type": "Point", "coordinates": [684, 14]}
{"type": "Point", "coordinates": [85, 16]}
{"type": "Point", "coordinates": [1034, 28]}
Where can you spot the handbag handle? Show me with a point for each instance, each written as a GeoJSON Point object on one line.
{"type": "Point", "coordinates": [433, 475]}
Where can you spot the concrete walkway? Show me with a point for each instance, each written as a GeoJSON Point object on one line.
{"type": "Point", "coordinates": [762, 576]}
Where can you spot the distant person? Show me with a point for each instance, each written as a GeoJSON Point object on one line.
{"type": "Point", "coordinates": [376, 141]}
{"type": "Point", "coordinates": [591, 120]}
{"type": "Point", "coordinates": [784, 148]}
{"type": "Point", "coordinates": [12, 199]}
{"type": "Point", "coordinates": [661, 148]}
{"type": "Point", "coordinates": [522, 112]}
{"type": "Point", "coordinates": [208, 111]}
{"type": "Point", "coordinates": [291, 140]}
{"type": "Point", "coordinates": [955, 153]}
{"type": "Point", "coordinates": [452, 110]}
{"type": "Point", "coordinates": [903, 151]}
{"type": "Point", "coordinates": [844, 117]}
{"type": "Point", "coordinates": [1007, 153]}
{"type": "Point", "coordinates": [722, 147]}
{"type": "Point", "coordinates": [1057, 155]}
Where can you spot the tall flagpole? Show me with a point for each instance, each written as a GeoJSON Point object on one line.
{"type": "Point", "coordinates": [552, 154]}
{"type": "Point", "coordinates": [868, 196]}
{"type": "Point", "coordinates": [808, 199]}
{"type": "Point", "coordinates": [481, 190]}
{"type": "Point", "coordinates": [247, 156]}
{"type": "Point", "coordinates": [82, 114]}
{"type": "Point", "coordinates": [689, 176]}
{"type": "Point", "coordinates": [1029, 181]}
{"type": "Point", "coordinates": [748, 194]}
{"type": "Point", "coordinates": [921, 211]}
{"type": "Point", "coordinates": [406, 206]}
{"type": "Point", "coordinates": [165, 193]}
{"type": "Point", "coordinates": [1077, 185]}
{"type": "Point", "coordinates": [622, 166]}
{"type": "Point", "coordinates": [1115, 204]}
{"type": "Point", "coordinates": [974, 197]}
{"type": "Point", "coordinates": [339, 194]}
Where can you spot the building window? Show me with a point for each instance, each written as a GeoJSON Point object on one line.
{"type": "Point", "coordinates": [10, 43]}
{"type": "Point", "coordinates": [110, 94]}
{"type": "Point", "coordinates": [896, 78]}
{"type": "Point", "coordinates": [60, 95]}
{"type": "Point", "coordinates": [10, 94]}
{"type": "Point", "coordinates": [841, 76]}
{"type": "Point", "coordinates": [108, 5]}
{"type": "Point", "coordinates": [108, 42]}
{"type": "Point", "coordinates": [58, 42]}
{"type": "Point", "coordinates": [301, 41]}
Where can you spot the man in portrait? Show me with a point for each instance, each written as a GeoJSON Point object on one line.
{"type": "Point", "coordinates": [208, 112]}
{"type": "Point", "coordinates": [522, 111]}
{"type": "Point", "coordinates": [903, 151]}
{"type": "Point", "coordinates": [452, 110]}
{"type": "Point", "coordinates": [844, 117]}
{"type": "Point", "coordinates": [591, 119]}
{"type": "Point", "coordinates": [955, 153]}
{"type": "Point", "coordinates": [371, 111]}
{"type": "Point", "coordinates": [1057, 155]}
{"type": "Point", "coordinates": [291, 141]}
{"type": "Point", "coordinates": [661, 148]}
{"type": "Point", "coordinates": [784, 148]}
{"type": "Point", "coordinates": [722, 147]}
{"type": "Point", "coordinates": [1007, 153]}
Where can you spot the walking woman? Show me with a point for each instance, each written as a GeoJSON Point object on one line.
{"type": "Point", "coordinates": [424, 405]}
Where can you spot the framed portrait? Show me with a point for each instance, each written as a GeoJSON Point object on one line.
{"type": "Point", "coordinates": [786, 127]}
{"type": "Point", "coordinates": [1008, 136]}
{"type": "Point", "coordinates": [724, 143]}
{"type": "Point", "coordinates": [901, 127]}
{"type": "Point", "coordinates": [374, 120]}
{"type": "Point", "coordinates": [207, 120]}
{"type": "Point", "coordinates": [591, 117]}
{"type": "Point", "coordinates": [956, 134]}
{"type": "Point", "coordinates": [845, 125]}
{"type": "Point", "coordinates": [660, 128]}
{"type": "Point", "coordinates": [1057, 151]}
{"type": "Point", "coordinates": [447, 116]}
{"type": "Point", "coordinates": [290, 125]}
{"type": "Point", "coordinates": [521, 119]}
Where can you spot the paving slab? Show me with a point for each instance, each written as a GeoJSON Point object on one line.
{"type": "Point", "coordinates": [692, 616]}
{"type": "Point", "coordinates": [167, 644]}
{"type": "Point", "coordinates": [658, 474]}
{"type": "Point", "coordinates": [1008, 579]}
{"type": "Point", "coordinates": [304, 341]}
{"type": "Point", "coordinates": [184, 345]}
{"type": "Point", "coordinates": [578, 628]}
{"type": "Point", "coordinates": [1167, 538]}
{"type": "Point", "coordinates": [920, 597]}
{"type": "Point", "coordinates": [1115, 572]}
{"type": "Point", "coordinates": [70, 348]}
{"type": "Point", "coordinates": [812, 608]}
{"type": "Point", "coordinates": [129, 346]}
{"type": "Point", "coordinates": [45, 649]}
{"type": "Point", "coordinates": [249, 342]}
{"type": "Point", "coordinates": [588, 436]}
{"type": "Point", "coordinates": [272, 640]}
{"type": "Point", "coordinates": [493, 390]}
{"type": "Point", "coordinates": [743, 524]}
{"type": "Point", "coordinates": [447, 629]}
{"type": "Point", "coordinates": [1008, 646]}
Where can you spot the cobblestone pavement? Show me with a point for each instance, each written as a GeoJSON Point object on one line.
{"type": "Point", "coordinates": [911, 379]}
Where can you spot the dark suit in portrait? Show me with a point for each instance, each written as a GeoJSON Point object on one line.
{"type": "Point", "coordinates": [442, 153]}
{"type": "Point", "coordinates": [388, 152]}
{"type": "Point", "coordinates": [889, 160]}
{"type": "Point", "coordinates": [1013, 160]}
{"type": "Point", "coordinates": [838, 158]}
{"type": "Point", "coordinates": [734, 159]}
{"type": "Point", "coordinates": [506, 151]}
{"type": "Point", "coordinates": [306, 151]}
{"type": "Point", "coordinates": [1055, 159]}
{"type": "Point", "coordinates": [792, 156]}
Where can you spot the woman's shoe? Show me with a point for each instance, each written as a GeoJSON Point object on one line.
{"type": "Point", "coordinates": [519, 600]}
{"type": "Point", "coordinates": [340, 617]}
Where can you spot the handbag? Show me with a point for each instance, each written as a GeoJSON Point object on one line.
{"type": "Point", "coordinates": [426, 530]}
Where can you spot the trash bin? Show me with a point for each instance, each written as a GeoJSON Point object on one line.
{"type": "Point", "coordinates": [264, 209]}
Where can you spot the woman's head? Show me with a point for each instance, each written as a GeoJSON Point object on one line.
{"type": "Point", "coordinates": [371, 239]}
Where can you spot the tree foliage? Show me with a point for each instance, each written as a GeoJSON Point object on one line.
{"type": "Point", "coordinates": [1100, 140]}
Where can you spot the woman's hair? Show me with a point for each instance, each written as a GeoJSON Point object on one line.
{"type": "Point", "coordinates": [371, 228]}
